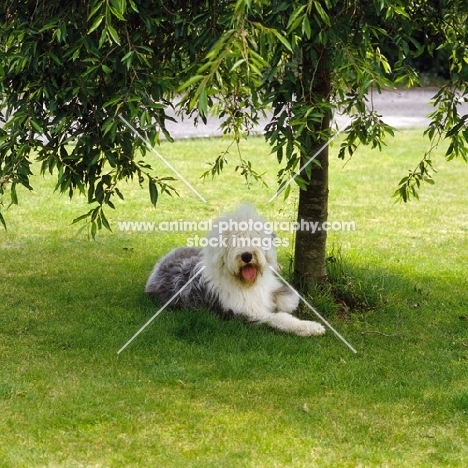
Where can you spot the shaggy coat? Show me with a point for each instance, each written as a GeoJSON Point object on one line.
{"type": "Point", "coordinates": [235, 278]}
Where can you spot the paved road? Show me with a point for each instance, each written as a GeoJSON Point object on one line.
{"type": "Point", "coordinates": [399, 108]}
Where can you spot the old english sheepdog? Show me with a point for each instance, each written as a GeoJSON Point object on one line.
{"type": "Point", "coordinates": [231, 275]}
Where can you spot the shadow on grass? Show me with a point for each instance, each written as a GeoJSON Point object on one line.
{"type": "Point", "coordinates": [80, 311]}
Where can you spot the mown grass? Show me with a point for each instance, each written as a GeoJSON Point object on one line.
{"type": "Point", "coordinates": [195, 391]}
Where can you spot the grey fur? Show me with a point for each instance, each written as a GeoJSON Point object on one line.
{"type": "Point", "coordinates": [174, 271]}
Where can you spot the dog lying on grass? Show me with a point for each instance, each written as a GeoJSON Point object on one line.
{"type": "Point", "coordinates": [231, 276]}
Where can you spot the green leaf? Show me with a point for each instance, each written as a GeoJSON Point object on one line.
{"type": "Point", "coordinates": [103, 37]}
{"type": "Point", "coordinates": [190, 82]}
{"type": "Point", "coordinates": [118, 9]}
{"type": "Point", "coordinates": [107, 126]}
{"type": "Point", "coordinates": [84, 216]}
{"type": "Point", "coordinates": [283, 40]}
{"type": "Point", "coordinates": [2, 220]}
{"type": "Point", "coordinates": [104, 221]}
{"type": "Point", "coordinates": [153, 190]}
{"type": "Point", "coordinates": [294, 19]}
{"type": "Point", "coordinates": [13, 194]}
{"type": "Point", "coordinates": [95, 213]}
{"type": "Point", "coordinates": [113, 34]}
{"type": "Point", "coordinates": [301, 182]}
{"type": "Point", "coordinates": [323, 15]}
{"type": "Point", "coordinates": [308, 170]}
{"type": "Point", "coordinates": [107, 70]}
{"type": "Point", "coordinates": [133, 6]}
{"type": "Point", "coordinates": [96, 8]}
{"type": "Point", "coordinates": [119, 193]}
{"type": "Point", "coordinates": [55, 59]}
{"type": "Point", "coordinates": [96, 24]}
{"type": "Point", "coordinates": [93, 230]}
{"type": "Point", "coordinates": [120, 5]}
{"type": "Point", "coordinates": [128, 58]}
{"type": "Point", "coordinates": [306, 27]}
{"type": "Point", "coordinates": [237, 64]}
{"type": "Point", "coordinates": [36, 125]}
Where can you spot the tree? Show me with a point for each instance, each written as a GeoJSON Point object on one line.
{"type": "Point", "coordinates": [71, 70]}
{"type": "Point", "coordinates": [309, 58]}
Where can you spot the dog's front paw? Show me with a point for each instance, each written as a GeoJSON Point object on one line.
{"type": "Point", "coordinates": [308, 328]}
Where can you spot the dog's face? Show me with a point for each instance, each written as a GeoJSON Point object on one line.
{"type": "Point", "coordinates": [244, 258]}
{"type": "Point", "coordinates": [243, 253]}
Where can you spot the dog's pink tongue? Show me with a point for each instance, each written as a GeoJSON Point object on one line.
{"type": "Point", "coordinates": [249, 272]}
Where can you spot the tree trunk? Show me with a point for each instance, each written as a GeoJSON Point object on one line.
{"type": "Point", "coordinates": [310, 249]}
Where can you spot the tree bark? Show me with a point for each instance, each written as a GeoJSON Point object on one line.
{"type": "Point", "coordinates": [310, 248]}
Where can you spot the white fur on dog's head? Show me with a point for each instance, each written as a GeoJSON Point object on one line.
{"type": "Point", "coordinates": [240, 246]}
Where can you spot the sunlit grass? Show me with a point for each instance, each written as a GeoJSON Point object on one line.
{"type": "Point", "coordinates": [195, 391]}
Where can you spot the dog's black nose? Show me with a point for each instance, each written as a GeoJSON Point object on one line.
{"type": "Point", "coordinates": [246, 257]}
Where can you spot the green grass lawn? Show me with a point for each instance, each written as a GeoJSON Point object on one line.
{"type": "Point", "coordinates": [195, 391]}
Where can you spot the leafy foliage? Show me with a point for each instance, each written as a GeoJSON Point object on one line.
{"type": "Point", "coordinates": [280, 48]}
{"type": "Point", "coordinates": [71, 70]}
